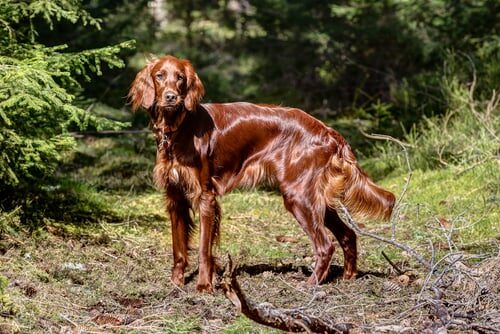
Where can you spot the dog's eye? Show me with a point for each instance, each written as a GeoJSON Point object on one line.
{"type": "Point", "coordinates": [159, 76]}
{"type": "Point", "coordinates": [180, 77]}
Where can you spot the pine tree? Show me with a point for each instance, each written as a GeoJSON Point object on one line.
{"type": "Point", "coordinates": [38, 89]}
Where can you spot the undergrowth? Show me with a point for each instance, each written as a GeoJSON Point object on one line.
{"type": "Point", "coordinates": [464, 137]}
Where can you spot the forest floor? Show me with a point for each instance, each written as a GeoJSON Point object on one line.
{"type": "Point", "coordinates": [108, 271]}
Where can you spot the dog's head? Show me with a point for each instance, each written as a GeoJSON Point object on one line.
{"type": "Point", "coordinates": [169, 85]}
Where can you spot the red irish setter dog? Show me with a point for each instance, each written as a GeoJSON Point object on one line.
{"type": "Point", "coordinates": [206, 150]}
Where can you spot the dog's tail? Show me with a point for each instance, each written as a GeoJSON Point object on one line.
{"type": "Point", "coordinates": [346, 183]}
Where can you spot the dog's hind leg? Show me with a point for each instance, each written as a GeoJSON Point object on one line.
{"type": "Point", "coordinates": [312, 221]}
{"type": "Point", "coordinates": [347, 240]}
{"type": "Point", "coordinates": [209, 220]}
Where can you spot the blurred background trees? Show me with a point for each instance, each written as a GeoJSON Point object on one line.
{"type": "Point", "coordinates": [382, 66]}
{"type": "Point", "coordinates": [379, 61]}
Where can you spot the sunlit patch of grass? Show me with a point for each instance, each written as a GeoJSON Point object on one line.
{"type": "Point", "coordinates": [181, 325]}
{"type": "Point", "coordinates": [244, 325]}
{"type": "Point", "coordinates": [143, 209]}
{"type": "Point", "coordinates": [467, 202]}
{"type": "Point", "coordinates": [251, 223]}
{"type": "Point", "coordinates": [440, 202]}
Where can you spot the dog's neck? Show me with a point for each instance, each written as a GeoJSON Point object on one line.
{"type": "Point", "coordinates": [168, 121]}
{"type": "Point", "coordinates": [196, 123]}
{"type": "Point", "coordinates": [165, 127]}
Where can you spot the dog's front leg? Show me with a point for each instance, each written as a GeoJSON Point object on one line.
{"type": "Point", "coordinates": [209, 218]}
{"type": "Point", "coordinates": [181, 222]}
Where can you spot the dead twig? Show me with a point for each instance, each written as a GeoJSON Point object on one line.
{"type": "Point", "coordinates": [404, 147]}
{"type": "Point", "coordinates": [476, 164]}
{"type": "Point", "coordinates": [401, 246]}
{"type": "Point", "coordinates": [399, 271]}
{"type": "Point", "coordinates": [392, 241]}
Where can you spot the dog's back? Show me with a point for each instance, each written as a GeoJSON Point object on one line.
{"type": "Point", "coordinates": [287, 147]}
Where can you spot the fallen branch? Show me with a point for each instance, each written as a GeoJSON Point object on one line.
{"type": "Point", "coordinates": [108, 133]}
{"type": "Point", "coordinates": [391, 241]}
{"type": "Point", "coordinates": [291, 320]}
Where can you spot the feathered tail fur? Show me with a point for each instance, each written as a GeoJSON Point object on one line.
{"type": "Point", "coordinates": [346, 183]}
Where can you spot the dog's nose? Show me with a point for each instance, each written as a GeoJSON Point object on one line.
{"type": "Point", "coordinates": [170, 97]}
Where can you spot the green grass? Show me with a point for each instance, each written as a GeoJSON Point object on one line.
{"type": "Point", "coordinates": [468, 201]}
{"type": "Point", "coordinates": [438, 201]}
{"type": "Point", "coordinates": [252, 221]}
{"type": "Point", "coordinates": [244, 325]}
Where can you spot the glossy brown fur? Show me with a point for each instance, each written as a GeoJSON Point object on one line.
{"type": "Point", "coordinates": [206, 150]}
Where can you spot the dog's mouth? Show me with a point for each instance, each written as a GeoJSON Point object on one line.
{"type": "Point", "coordinates": [169, 109]}
{"type": "Point", "coordinates": [168, 113]}
{"type": "Point", "coordinates": [171, 106]}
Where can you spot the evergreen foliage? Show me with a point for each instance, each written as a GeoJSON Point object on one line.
{"type": "Point", "coordinates": [39, 89]}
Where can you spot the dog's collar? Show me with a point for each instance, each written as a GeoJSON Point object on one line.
{"type": "Point", "coordinates": [166, 140]}
{"type": "Point", "coordinates": [166, 133]}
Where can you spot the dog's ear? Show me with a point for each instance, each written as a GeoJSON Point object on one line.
{"type": "Point", "coordinates": [195, 89]}
{"type": "Point", "coordinates": [142, 91]}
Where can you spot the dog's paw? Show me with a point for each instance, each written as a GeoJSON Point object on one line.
{"type": "Point", "coordinates": [177, 278]}
{"type": "Point", "coordinates": [204, 287]}
{"type": "Point", "coordinates": [312, 281]}
{"type": "Point", "coordinates": [348, 275]}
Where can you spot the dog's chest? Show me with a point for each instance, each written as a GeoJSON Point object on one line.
{"type": "Point", "coordinates": [171, 172]}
